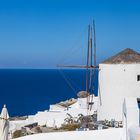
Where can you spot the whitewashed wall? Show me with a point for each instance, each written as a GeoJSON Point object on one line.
{"type": "Point", "coordinates": [116, 81]}
{"type": "Point", "coordinates": [130, 118]}
{"type": "Point", "coordinates": [82, 103]}
{"type": "Point", "coordinates": [56, 108]}
{"type": "Point", "coordinates": [106, 134]}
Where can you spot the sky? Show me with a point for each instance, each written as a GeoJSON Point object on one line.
{"type": "Point", "coordinates": [44, 33]}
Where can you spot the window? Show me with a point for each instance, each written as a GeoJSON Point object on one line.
{"type": "Point", "coordinates": [90, 103]}
{"type": "Point", "coordinates": [138, 77]}
{"type": "Point", "coordinates": [138, 102]}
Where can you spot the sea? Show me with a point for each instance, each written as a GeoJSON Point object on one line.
{"type": "Point", "coordinates": [27, 91]}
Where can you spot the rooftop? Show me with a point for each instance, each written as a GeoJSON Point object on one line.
{"type": "Point", "coordinates": [126, 56]}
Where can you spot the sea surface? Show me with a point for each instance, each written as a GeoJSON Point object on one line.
{"type": "Point", "coordinates": [26, 91]}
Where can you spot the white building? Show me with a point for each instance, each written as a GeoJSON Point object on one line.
{"type": "Point", "coordinates": [58, 113]}
{"type": "Point", "coordinates": [119, 77]}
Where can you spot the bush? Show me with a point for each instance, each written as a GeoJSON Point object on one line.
{"type": "Point", "coordinates": [70, 127]}
{"type": "Point", "coordinates": [17, 133]}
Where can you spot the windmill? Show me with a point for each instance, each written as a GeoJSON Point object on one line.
{"type": "Point", "coordinates": [90, 66]}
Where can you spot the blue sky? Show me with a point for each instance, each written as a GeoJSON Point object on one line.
{"type": "Point", "coordinates": [44, 33]}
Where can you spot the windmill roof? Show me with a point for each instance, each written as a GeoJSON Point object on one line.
{"type": "Point", "coordinates": [126, 56]}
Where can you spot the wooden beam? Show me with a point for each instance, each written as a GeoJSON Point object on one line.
{"type": "Point", "coordinates": [78, 66]}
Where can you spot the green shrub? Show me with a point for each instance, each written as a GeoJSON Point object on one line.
{"type": "Point", "coordinates": [70, 127]}
{"type": "Point", "coordinates": [17, 133]}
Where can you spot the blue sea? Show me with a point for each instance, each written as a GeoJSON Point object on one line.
{"type": "Point", "coordinates": [26, 91]}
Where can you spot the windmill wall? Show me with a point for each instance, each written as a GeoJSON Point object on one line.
{"type": "Point", "coordinates": [116, 81]}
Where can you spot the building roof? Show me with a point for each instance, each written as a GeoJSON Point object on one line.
{"type": "Point", "coordinates": [126, 56]}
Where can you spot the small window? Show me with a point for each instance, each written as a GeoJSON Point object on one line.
{"type": "Point", "coordinates": [90, 103]}
{"type": "Point", "coordinates": [138, 101]}
{"type": "Point", "coordinates": [138, 77]}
